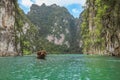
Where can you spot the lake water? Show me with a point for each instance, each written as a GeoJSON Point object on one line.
{"type": "Point", "coordinates": [60, 67]}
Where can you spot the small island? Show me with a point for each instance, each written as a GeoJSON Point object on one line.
{"type": "Point", "coordinates": [41, 54]}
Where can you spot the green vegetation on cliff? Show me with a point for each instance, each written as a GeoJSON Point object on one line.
{"type": "Point", "coordinates": [100, 28]}
{"type": "Point", "coordinates": [25, 32]}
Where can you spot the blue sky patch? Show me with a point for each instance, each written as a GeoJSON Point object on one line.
{"type": "Point", "coordinates": [74, 8]}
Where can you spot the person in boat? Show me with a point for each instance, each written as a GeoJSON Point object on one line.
{"type": "Point", "coordinates": [41, 54]}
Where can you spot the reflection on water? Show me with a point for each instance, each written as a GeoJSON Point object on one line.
{"type": "Point", "coordinates": [60, 67]}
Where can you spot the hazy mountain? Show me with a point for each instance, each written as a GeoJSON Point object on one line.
{"type": "Point", "coordinates": [56, 26]}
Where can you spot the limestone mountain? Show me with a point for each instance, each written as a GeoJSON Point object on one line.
{"type": "Point", "coordinates": [100, 28]}
{"type": "Point", "coordinates": [58, 30]}
{"type": "Point", "coordinates": [14, 30]}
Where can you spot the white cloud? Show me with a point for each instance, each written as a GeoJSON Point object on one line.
{"type": "Point", "coordinates": [60, 2]}
{"type": "Point", "coordinates": [75, 10]}
{"type": "Point", "coordinates": [28, 3]}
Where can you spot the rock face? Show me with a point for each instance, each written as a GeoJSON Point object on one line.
{"type": "Point", "coordinates": [101, 27]}
{"type": "Point", "coordinates": [7, 21]}
{"type": "Point", "coordinates": [15, 29]}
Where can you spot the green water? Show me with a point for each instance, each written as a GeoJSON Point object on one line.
{"type": "Point", "coordinates": [60, 67]}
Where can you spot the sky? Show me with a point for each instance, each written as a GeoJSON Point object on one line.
{"type": "Point", "coordinates": [75, 7]}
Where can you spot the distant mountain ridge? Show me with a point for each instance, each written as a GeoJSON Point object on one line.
{"type": "Point", "coordinates": [56, 26]}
